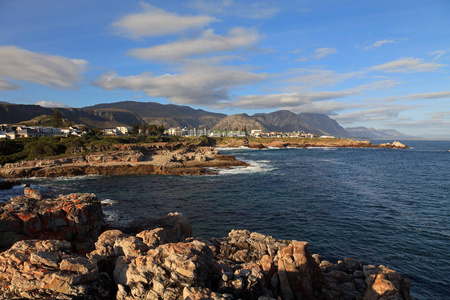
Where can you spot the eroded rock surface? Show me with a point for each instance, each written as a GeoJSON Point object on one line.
{"type": "Point", "coordinates": [162, 261]}
{"type": "Point", "coordinates": [76, 217]}
{"type": "Point", "coordinates": [36, 269]}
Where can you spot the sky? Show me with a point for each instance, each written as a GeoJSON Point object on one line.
{"type": "Point", "coordinates": [382, 64]}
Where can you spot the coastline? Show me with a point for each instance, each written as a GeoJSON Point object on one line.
{"type": "Point", "coordinates": [164, 158]}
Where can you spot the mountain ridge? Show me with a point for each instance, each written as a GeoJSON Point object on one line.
{"type": "Point", "coordinates": [372, 133]}
{"type": "Point", "coordinates": [127, 113]}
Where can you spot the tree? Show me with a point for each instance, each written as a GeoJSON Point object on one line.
{"type": "Point", "coordinates": [160, 129]}
{"type": "Point", "coordinates": [135, 129]}
{"type": "Point", "coordinates": [144, 129]}
{"type": "Point", "coordinates": [56, 119]}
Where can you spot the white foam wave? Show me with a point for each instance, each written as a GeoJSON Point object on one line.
{"type": "Point", "coordinates": [260, 166]}
{"type": "Point", "coordinates": [108, 202]}
{"type": "Point", "coordinates": [111, 216]}
{"type": "Point", "coordinates": [323, 148]}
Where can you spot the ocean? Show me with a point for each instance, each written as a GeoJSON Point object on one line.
{"type": "Point", "coordinates": [381, 206]}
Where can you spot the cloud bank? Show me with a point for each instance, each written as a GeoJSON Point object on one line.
{"type": "Point", "coordinates": [207, 43]}
{"type": "Point", "coordinates": [153, 22]}
{"type": "Point", "coordinates": [50, 70]}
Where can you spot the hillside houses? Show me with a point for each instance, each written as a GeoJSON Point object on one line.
{"type": "Point", "coordinates": [12, 132]}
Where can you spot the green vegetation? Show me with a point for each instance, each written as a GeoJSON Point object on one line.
{"type": "Point", "coordinates": [57, 119]}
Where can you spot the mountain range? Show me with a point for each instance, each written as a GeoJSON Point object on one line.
{"type": "Point", "coordinates": [127, 113]}
{"type": "Point", "coordinates": [378, 134]}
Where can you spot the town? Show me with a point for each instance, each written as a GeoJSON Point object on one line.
{"type": "Point", "coordinates": [8, 131]}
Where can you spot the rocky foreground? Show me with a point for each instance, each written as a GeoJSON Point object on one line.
{"type": "Point", "coordinates": [128, 159]}
{"type": "Point", "coordinates": [61, 249]}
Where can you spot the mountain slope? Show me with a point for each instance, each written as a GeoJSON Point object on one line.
{"type": "Point", "coordinates": [98, 118]}
{"type": "Point", "coordinates": [239, 121]}
{"type": "Point", "coordinates": [372, 133]}
{"type": "Point", "coordinates": [285, 120]}
{"type": "Point", "coordinates": [169, 115]}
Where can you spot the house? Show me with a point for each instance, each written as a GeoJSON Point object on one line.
{"type": "Point", "coordinates": [123, 130]}
{"type": "Point", "coordinates": [29, 132]}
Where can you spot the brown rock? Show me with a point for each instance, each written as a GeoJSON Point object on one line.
{"type": "Point", "coordinates": [36, 269]}
{"type": "Point", "coordinates": [385, 283]}
{"type": "Point", "coordinates": [165, 271]}
{"type": "Point", "coordinates": [32, 193]}
{"type": "Point", "coordinates": [74, 217]}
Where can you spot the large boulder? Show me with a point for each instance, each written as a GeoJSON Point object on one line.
{"type": "Point", "coordinates": [164, 272]}
{"type": "Point", "coordinates": [76, 217]}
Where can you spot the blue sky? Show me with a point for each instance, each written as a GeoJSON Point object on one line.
{"type": "Point", "coordinates": [382, 64]}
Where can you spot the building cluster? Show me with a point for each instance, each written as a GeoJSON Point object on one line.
{"type": "Point", "coordinates": [17, 131]}
{"type": "Point", "coordinates": [235, 133]}
{"type": "Point", "coordinates": [12, 132]}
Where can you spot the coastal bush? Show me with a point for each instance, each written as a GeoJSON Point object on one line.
{"type": "Point", "coordinates": [43, 148]}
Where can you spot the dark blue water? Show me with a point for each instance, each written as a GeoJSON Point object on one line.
{"type": "Point", "coordinates": [381, 206]}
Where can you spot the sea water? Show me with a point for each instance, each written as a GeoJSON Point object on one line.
{"type": "Point", "coordinates": [381, 206]}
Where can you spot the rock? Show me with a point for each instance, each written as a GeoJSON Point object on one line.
{"type": "Point", "coordinates": [8, 184]}
{"type": "Point", "coordinates": [199, 293]}
{"type": "Point", "coordinates": [164, 272]}
{"type": "Point", "coordinates": [35, 269]}
{"type": "Point", "coordinates": [398, 145]}
{"type": "Point", "coordinates": [300, 277]}
{"type": "Point", "coordinates": [153, 238]}
{"type": "Point", "coordinates": [32, 193]}
{"type": "Point", "coordinates": [385, 283]}
{"type": "Point", "coordinates": [75, 217]}
{"type": "Point", "coordinates": [175, 225]}
{"type": "Point", "coordinates": [352, 264]}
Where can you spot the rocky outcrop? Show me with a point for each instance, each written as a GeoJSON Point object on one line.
{"type": "Point", "coordinates": [162, 261]}
{"type": "Point", "coordinates": [243, 265]}
{"type": "Point", "coordinates": [263, 143]}
{"type": "Point", "coordinates": [76, 217]}
{"type": "Point", "coordinates": [156, 158]}
{"type": "Point", "coordinates": [394, 145]}
{"type": "Point", "coordinates": [47, 269]}
{"type": "Point", "coordinates": [8, 184]}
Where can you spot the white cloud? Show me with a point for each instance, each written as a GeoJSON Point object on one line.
{"type": "Point", "coordinates": [50, 104]}
{"type": "Point", "coordinates": [407, 65]}
{"type": "Point", "coordinates": [285, 100]}
{"type": "Point", "coordinates": [258, 10]}
{"type": "Point", "coordinates": [322, 52]}
{"type": "Point", "coordinates": [197, 84]}
{"type": "Point", "coordinates": [313, 77]}
{"type": "Point", "coordinates": [5, 85]}
{"type": "Point", "coordinates": [438, 53]}
{"type": "Point", "coordinates": [153, 21]}
{"type": "Point", "coordinates": [436, 95]}
{"type": "Point", "coordinates": [50, 70]}
{"type": "Point", "coordinates": [378, 44]}
{"type": "Point", "coordinates": [207, 43]}
{"type": "Point", "coordinates": [323, 107]}
{"type": "Point", "coordinates": [378, 114]}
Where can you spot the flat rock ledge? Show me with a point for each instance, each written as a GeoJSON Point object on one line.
{"type": "Point", "coordinates": [165, 263]}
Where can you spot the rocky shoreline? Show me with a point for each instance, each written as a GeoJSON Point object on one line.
{"type": "Point", "coordinates": [129, 159]}
{"type": "Point", "coordinates": [304, 143]}
{"type": "Point", "coordinates": [62, 249]}
{"type": "Point", "coordinates": [162, 158]}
